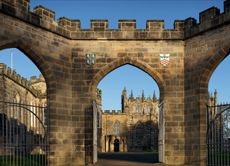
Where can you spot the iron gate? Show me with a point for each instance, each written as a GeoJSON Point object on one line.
{"type": "Point", "coordinates": [23, 134]}
{"type": "Point", "coordinates": [218, 135]}
{"type": "Point", "coordinates": [161, 136]}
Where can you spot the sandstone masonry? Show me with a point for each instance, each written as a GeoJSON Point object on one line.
{"type": "Point", "coordinates": [59, 49]}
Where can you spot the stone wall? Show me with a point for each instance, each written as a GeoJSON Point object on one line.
{"type": "Point", "coordinates": [113, 124]}
{"type": "Point", "coordinates": [18, 89]}
{"type": "Point", "coordinates": [195, 51]}
{"type": "Point", "coordinates": [22, 112]}
{"type": "Point", "coordinates": [204, 53]}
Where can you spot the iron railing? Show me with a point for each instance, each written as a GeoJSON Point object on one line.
{"type": "Point", "coordinates": [23, 134]}
{"type": "Point", "coordinates": [218, 135]}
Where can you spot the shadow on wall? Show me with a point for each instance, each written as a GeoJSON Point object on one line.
{"type": "Point", "coordinates": [142, 136]}
{"type": "Point", "coordinates": [16, 137]}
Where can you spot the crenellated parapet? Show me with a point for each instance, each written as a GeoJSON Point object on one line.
{"type": "Point", "coordinates": [113, 112]}
{"type": "Point", "coordinates": [208, 19]}
{"type": "Point", "coordinates": [35, 79]}
{"type": "Point", "coordinates": [16, 8]}
{"type": "Point", "coordinates": [11, 74]}
{"type": "Point", "coordinates": [69, 28]}
{"type": "Point", "coordinates": [45, 18]}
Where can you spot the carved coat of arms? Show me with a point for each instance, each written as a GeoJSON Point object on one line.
{"type": "Point", "coordinates": [164, 59]}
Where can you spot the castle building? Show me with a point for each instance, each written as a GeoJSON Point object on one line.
{"type": "Point", "coordinates": [22, 109]}
{"type": "Point", "coordinates": [134, 128]}
{"type": "Point", "coordinates": [15, 88]}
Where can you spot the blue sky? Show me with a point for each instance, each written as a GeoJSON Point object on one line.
{"type": "Point", "coordinates": [113, 10]}
{"type": "Point", "coordinates": [125, 76]}
{"type": "Point", "coordinates": [141, 10]}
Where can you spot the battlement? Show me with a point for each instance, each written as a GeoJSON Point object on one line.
{"type": "Point", "coordinates": [208, 19]}
{"type": "Point", "coordinates": [146, 99]}
{"type": "Point", "coordinates": [113, 112]}
{"type": "Point", "coordinates": [11, 74]}
{"type": "Point", "coordinates": [99, 30]}
{"type": "Point", "coordinates": [35, 79]}
{"type": "Point", "coordinates": [45, 18]}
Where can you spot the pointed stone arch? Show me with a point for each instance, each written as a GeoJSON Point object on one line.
{"type": "Point", "coordinates": [34, 56]}
{"type": "Point", "coordinates": [121, 62]}
{"type": "Point", "coordinates": [212, 63]}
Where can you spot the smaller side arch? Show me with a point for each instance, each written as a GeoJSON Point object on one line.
{"type": "Point", "coordinates": [212, 63]}
{"type": "Point", "coordinates": [123, 61]}
{"type": "Point", "coordinates": [37, 59]}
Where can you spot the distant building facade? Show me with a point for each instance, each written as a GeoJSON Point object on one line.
{"type": "Point", "coordinates": [15, 88]}
{"type": "Point", "coordinates": [22, 110]}
{"type": "Point", "coordinates": [134, 128]}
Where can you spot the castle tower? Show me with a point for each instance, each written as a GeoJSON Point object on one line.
{"type": "Point", "coordinates": [123, 99]}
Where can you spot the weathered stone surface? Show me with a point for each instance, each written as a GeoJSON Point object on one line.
{"type": "Point", "coordinates": [195, 52]}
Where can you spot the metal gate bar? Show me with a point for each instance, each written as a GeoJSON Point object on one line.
{"type": "Point", "coordinates": [23, 134]}
{"type": "Point", "coordinates": [218, 135]}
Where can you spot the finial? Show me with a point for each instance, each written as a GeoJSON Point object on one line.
{"type": "Point", "coordinates": [154, 95]}
{"type": "Point", "coordinates": [143, 95]}
{"type": "Point", "coordinates": [131, 95]}
{"type": "Point", "coordinates": [215, 96]}
{"type": "Point", "coordinates": [215, 92]}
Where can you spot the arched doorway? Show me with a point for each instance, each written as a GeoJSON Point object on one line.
{"type": "Point", "coordinates": [23, 111]}
{"type": "Point", "coordinates": [146, 104]}
{"type": "Point", "coordinates": [116, 145]}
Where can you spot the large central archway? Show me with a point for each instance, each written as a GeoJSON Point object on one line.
{"type": "Point", "coordinates": [155, 76]}
{"type": "Point", "coordinates": [123, 61]}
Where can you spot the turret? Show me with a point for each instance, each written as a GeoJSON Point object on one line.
{"type": "Point", "coordinates": [131, 95]}
{"type": "Point", "coordinates": [143, 95]}
{"type": "Point", "coordinates": [154, 96]}
{"type": "Point", "coordinates": [215, 97]}
{"type": "Point", "coordinates": [124, 92]}
{"type": "Point", "coordinates": [123, 99]}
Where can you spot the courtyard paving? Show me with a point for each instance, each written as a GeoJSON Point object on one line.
{"type": "Point", "coordinates": [128, 159]}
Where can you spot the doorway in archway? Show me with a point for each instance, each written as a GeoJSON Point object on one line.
{"type": "Point", "coordinates": [116, 145]}
{"type": "Point", "coordinates": [128, 97]}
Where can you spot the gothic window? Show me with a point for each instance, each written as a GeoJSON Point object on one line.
{"type": "Point", "coordinates": [17, 98]}
{"type": "Point", "coordinates": [138, 108]}
{"type": "Point", "coordinates": [134, 108]}
{"type": "Point", "coordinates": [147, 109]}
{"type": "Point", "coordinates": [116, 128]}
{"type": "Point", "coordinates": [32, 116]}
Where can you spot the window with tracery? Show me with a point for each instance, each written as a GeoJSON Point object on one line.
{"type": "Point", "coordinates": [116, 128]}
